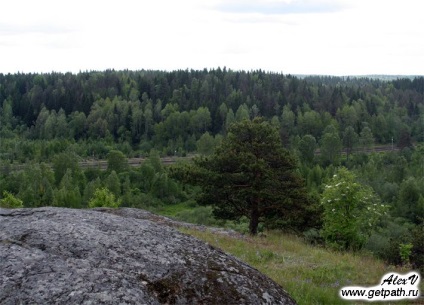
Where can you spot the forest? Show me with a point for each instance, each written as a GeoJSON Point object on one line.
{"type": "Point", "coordinates": [331, 126]}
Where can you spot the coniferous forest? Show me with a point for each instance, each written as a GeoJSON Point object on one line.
{"type": "Point", "coordinates": [364, 133]}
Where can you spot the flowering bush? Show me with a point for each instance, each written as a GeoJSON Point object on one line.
{"type": "Point", "coordinates": [351, 210]}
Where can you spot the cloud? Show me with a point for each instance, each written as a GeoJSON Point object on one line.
{"type": "Point", "coordinates": [259, 18]}
{"type": "Point", "coordinates": [9, 29]}
{"type": "Point", "coordinates": [295, 36]}
{"type": "Point", "coordinates": [280, 7]}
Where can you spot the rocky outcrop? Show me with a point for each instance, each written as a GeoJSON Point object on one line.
{"type": "Point", "coordinates": [124, 256]}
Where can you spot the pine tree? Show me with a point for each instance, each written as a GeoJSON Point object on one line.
{"type": "Point", "coordinates": [252, 175]}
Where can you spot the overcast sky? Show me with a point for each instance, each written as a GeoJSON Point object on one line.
{"type": "Point", "coordinates": [332, 37]}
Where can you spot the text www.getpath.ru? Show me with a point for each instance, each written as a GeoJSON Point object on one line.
{"type": "Point", "coordinates": [393, 286]}
{"type": "Point", "coordinates": [379, 293]}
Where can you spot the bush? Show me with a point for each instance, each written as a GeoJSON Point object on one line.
{"type": "Point", "coordinates": [116, 161]}
{"type": "Point", "coordinates": [198, 215]}
{"type": "Point", "coordinates": [104, 198]}
{"type": "Point", "coordinates": [351, 211]}
{"type": "Point", "coordinates": [387, 243]}
{"type": "Point", "coordinates": [417, 254]}
{"type": "Point", "coordinates": [241, 225]}
{"type": "Point", "coordinates": [313, 237]}
{"type": "Point", "coordinates": [405, 252]}
{"type": "Point", "coordinates": [140, 200]}
{"type": "Point", "coordinates": [9, 201]}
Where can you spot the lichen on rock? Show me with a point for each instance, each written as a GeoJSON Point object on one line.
{"type": "Point", "coordinates": [118, 256]}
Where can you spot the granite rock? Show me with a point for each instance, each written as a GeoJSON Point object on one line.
{"type": "Point", "coordinates": [122, 256]}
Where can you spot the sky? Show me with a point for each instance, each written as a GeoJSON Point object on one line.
{"type": "Point", "coordinates": [326, 37]}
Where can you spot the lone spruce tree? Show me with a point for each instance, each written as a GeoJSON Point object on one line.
{"type": "Point", "coordinates": [252, 175]}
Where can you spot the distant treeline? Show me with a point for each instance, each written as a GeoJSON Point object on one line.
{"type": "Point", "coordinates": [173, 110]}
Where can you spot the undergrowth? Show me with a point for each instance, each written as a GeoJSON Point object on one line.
{"type": "Point", "coordinates": [311, 275]}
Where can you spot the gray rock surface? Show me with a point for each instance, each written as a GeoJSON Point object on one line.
{"type": "Point", "coordinates": [123, 256]}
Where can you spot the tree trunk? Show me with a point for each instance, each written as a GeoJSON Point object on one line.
{"type": "Point", "coordinates": [254, 219]}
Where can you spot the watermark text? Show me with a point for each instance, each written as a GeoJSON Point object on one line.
{"type": "Point", "coordinates": [393, 286]}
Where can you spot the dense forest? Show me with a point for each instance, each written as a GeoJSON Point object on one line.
{"type": "Point", "coordinates": [51, 122]}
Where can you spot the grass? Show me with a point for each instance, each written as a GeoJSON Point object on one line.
{"type": "Point", "coordinates": [172, 210]}
{"type": "Point", "coordinates": [311, 275]}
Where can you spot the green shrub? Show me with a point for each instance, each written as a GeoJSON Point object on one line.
{"type": "Point", "coordinates": [313, 237]}
{"type": "Point", "coordinates": [104, 198]}
{"type": "Point", "coordinates": [387, 243]}
{"type": "Point", "coordinates": [9, 201]}
{"type": "Point", "coordinates": [241, 225]}
{"type": "Point", "coordinates": [417, 254]}
{"type": "Point", "coordinates": [351, 211]}
{"type": "Point", "coordinates": [199, 215]}
{"type": "Point", "coordinates": [405, 251]}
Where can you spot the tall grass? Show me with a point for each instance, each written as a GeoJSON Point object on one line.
{"type": "Point", "coordinates": [311, 275]}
